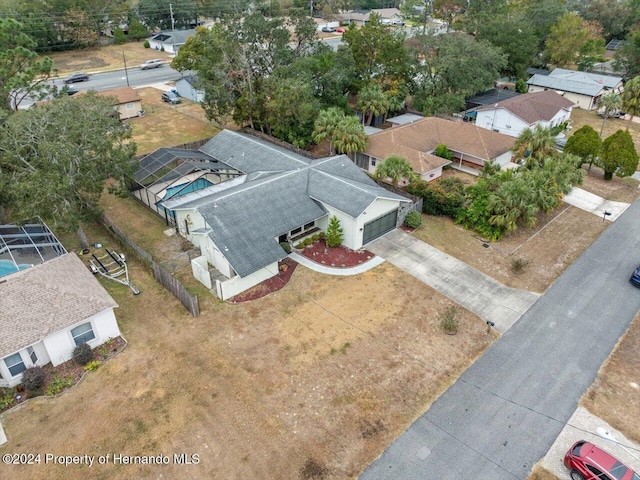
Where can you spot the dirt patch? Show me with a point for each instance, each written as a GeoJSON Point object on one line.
{"type": "Point", "coordinates": [318, 377]}
{"type": "Point", "coordinates": [617, 189]}
{"type": "Point", "coordinates": [541, 473]}
{"type": "Point", "coordinates": [339, 257]}
{"type": "Point", "coordinates": [615, 395]}
{"type": "Point", "coordinates": [285, 270]}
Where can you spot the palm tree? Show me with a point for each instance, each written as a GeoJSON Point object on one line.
{"type": "Point", "coordinates": [396, 168]}
{"type": "Point", "coordinates": [611, 103]}
{"type": "Point", "coordinates": [535, 145]}
{"type": "Point", "coordinates": [631, 98]}
{"type": "Point", "coordinates": [326, 124]}
{"type": "Point", "coordinates": [372, 101]}
{"type": "Point", "coordinates": [512, 203]}
{"type": "Point", "coordinates": [349, 137]}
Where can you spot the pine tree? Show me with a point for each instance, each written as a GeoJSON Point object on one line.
{"type": "Point", "coordinates": [334, 232]}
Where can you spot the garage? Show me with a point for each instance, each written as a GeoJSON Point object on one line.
{"type": "Point", "coordinates": [379, 226]}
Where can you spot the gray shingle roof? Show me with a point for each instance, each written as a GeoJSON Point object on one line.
{"type": "Point", "coordinates": [576, 82]}
{"type": "Point", "coordinates": [175, 37]}
{"type": "Point", "coordinates": [47, 298]}
{"type": "Point", "coordinates": [281, 191]}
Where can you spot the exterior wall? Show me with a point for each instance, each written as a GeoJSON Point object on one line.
{"type": "Point", "coordinates": [348, 224]}
{"type": "Point", "coordinates": [58, 347]}
{"type": "Point", "coordinates": [200, 270]}
{"type": "Point", "coordinates": [129, 110]}
{"type": "Point", "coordinates": [186, 90]}
{"type": "Point", "coordinates": [377, 209]}
{"type": "Point", "coordinates": [60, 344]}
{"type": "Point", "coordinates": [503, 159]}
{"type": "Point", "coordinates": [236, 285]}
{"type": "Point", "coordinates": [195, 221]}
{"type": "Point", "coordinates": [432, 175]}
{"type": "Point", "coordinates": [502, 121]}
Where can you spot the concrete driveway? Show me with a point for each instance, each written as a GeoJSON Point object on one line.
{"type": "Point", "coordinates": [465, 285]}
{"type": "Point", "coordinates": [595, 204]}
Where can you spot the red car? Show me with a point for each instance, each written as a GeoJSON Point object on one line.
{"type": "Point", "coordinates": [588, 462]}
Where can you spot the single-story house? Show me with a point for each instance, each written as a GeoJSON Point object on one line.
{"type": "Point", "coordinates": [170, 40]}
{"type": "Point", "coordinates": [389, 16]}
{"type": "Point", "coordinates": [280, 197]}
{"type": "Point", "coordinates": [188, 87]}
{"type": "Point", "coordinates": [128, 102]}
{"type": "Point", "coordinates": [46, 311]}
{"type": "Point", "coordinates": [511, 117]}
{"type": "Point", "coordinates": [582, 88]}
{"type": "Point", "coordinates": [417, 139]}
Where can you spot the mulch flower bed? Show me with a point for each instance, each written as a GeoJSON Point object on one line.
{"type": "Point", "coordinates": [339, 257]}
{"type": "Point", "coordinates": [67, 375]}
{"type": "Point", "coordinates": [285, 270]}
{"type": "Point", "coordinates": [407, 229]}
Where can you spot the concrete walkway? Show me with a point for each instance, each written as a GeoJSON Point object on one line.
{"type": "Point", "coordinates": [465, 285]}
{"type": "Point", "coordinates": [593, 203]}
{"type": "Point", "coordinates": [340, 271]}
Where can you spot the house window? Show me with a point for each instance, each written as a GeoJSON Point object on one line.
{"type": "Point", "coordinates": [32, 355]}
{"type": "Point", "coordinates": [309, 225]}
{"type": "Point", "coordinates": [296, 231]}
{"type": "Point", "coordinates": [130, 106]}
{"type": "Point", "coordinates": [82, 333]}
{"type": "Point", "coordinates": [373, 162]}
{"type": "Point", "coordinates": [15, 364]}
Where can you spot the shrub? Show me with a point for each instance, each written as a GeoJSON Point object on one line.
{"type": "Point", "coordinates": [146, 44]}
{"type": "Point", "coordinates": [7, 397]}
{"type": "Point", "coordinates": [286, 247]}
{"type": "Point", "coordinates": [443, 197]}
{"type": "Point", "coordinates": [58, 384]}
{"type": "Point", "coordinates": [334, 232]}
{"type": "Point", "coordinates": [316, 237]}
{"type": "Point", "coordinates": [443, 152]}
{"type": "Point", "coordinates": [300, 245]}
{"type": "Point", "coordinates": [519, 265]}
{"type": "Point", "coordinates": [413, 219]}
{"type": "Point", "coordinates": [308, 241]}
{"type": "Point", "coordinates": [449, 320]}
{"type": "Point", "coordinates": [83, 354]}
{"type": "Point", "coordinates": [33, 378]}
{"type": "Point", "coordinates": [119, 37]}
{"type": "Point", "coordinates": [321, 235]}
{"type": "Point", "coordinates": [92, 365]}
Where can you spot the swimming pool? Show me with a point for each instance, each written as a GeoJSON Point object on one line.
{"type": "Point", "coordinates": [7, 267]}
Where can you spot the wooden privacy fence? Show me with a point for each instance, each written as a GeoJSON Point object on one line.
{"type": "Point", "coordinates": [162, 276]}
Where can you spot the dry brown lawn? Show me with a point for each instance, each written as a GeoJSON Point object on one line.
{"type": "Point", "coordinates": [541, 473]}
{"type": "Point", "coordinates": [103, 58]}
{"type": "Point", "coordinates": [324, 374]}
{"type": "Point", "coordinates": [167, 125]}
{"type": "Point", "coordinates": [615, 395]}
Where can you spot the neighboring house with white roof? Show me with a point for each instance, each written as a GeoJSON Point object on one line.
{"type": "Point", "coordinates": [417, 138]}
{"type": "Point", "coordinates": [582, 88]}
{"type": "Point", "coordinates": [281, 197]}
{"type": "Point", "coordinates": [170, 40]}
{"type": "Point", "coordinates": [46, 311]}
{"type": "Point", "coordinates": [511, 117]}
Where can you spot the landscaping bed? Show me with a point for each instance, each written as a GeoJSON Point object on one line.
{"type": "Point", "coordinates": [339, 257]}
{"type": "Point", "coordinates": [285, 270]}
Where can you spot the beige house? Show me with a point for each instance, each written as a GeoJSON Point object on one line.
{"type": "Point", "coordinates": [128, 103]}
{"type": "Point", "coordinates": [417, 140]}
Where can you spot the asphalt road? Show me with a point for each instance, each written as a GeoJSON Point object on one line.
{"type": "Point", "coordinates": [502, 415]}
{"type": "Point", "coordinates": [137, 78]}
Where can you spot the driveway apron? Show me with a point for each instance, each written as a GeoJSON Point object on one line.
{"type": "Point", "coordinates": [465, 285]}
{"type": "Point", "coordinates": [505, 411]}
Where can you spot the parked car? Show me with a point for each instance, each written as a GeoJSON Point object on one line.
{"type": "Point", "coordinates": [635, 277]}
{"type": "Point", "coordinates": [72, 91]}
{"type": "Point", "coordinates": [586, 461]}
{"type": "Point", "coordinates": [618, 114]}
{"type": "Point", "coordinates": [76, 77]}
{"type": "Point", "coordinates": [328, 29]}
{"type": "Point", "coordinates": [155, 63]}
{"type": "Point", "coordinates": [339, 30]}
{"type": "Point", "coordinates": [171, 97]}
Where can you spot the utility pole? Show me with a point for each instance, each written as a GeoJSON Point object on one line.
{"type": "Point", "coordinates": [173, 27]}
{"type": "Point", "coordinates": [125, 68]}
